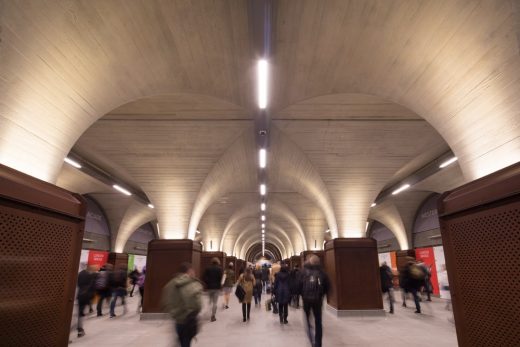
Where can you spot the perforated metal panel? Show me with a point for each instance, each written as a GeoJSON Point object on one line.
{"type": "Point", "coordinates": [36, 255]}
{"type": "Point", "coordinates": [484, 267]}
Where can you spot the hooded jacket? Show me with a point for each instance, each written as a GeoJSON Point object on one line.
{"type": "Point", "coordinates": [182, 298]}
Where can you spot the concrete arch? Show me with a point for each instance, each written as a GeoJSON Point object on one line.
{"type": "Point", "coordinates": [275, 208]}
{"type": "Point", "coordinates": [255, 228]}
{"type": "Point", "coordinates": [254, 239]}
{"type": "Point", "coordinates": [300, 175]}
{"type": "Point", "coordinates": [238, 158]}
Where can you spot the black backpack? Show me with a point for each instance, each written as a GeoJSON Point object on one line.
{"type": "Point", "coordinates": [312, 288]}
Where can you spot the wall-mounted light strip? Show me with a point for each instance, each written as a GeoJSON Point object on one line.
{"type": "Point", "coordinates": [327, 231]}
{"type": "Point", "coordinates": [197, 231]}
{"type": "Point", "coordinates": [158, 230]}
{"type": "Point", "coordinates": [400, 189]}
{"type": "Point", "coordinates": [262, 72]}
{"type": "Point", "coordinates": [262, 158]}
{"type": "Point", "coordinates": [373, 204]}
{"type": "Point", "coordinates": [448, 162]}
{"type": "Point", "coordinates": [122, 190]}
{"type": "Point", "coordinates": [151, 206]}
{"type": "Point", "coordinates": [263, 189]}
{"type": "Point", "coordinates": [72, 162]}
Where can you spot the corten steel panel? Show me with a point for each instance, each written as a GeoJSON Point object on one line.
{"type": "Point", "coordinates": [304, 254]}
{"type": "Point", "coordinates": [118, 260]}
{"type": "Point", "coordinates": [41, 231]}
{"type": "Point", "coordinates": [353, 266]}
{"type": "Point", "coordinates": [205, 260]}
{"type": "Point", "coordinates": [400, 257]}
{"type": "Point", "coordinates": [162, 264]}
{"type": "Point", "coordinates": [480, 226]}
{"type": "Point", "coordinates": [231, 259]}
{"type": "Point", "coordinates": [295, 259]}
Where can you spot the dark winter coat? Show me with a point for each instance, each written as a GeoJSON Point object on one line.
{"type": "Point", "coordinates": [258, 280]}
{"type": "Point", "coordinates": [282, 289]}
{"type": "Point", "coordinates": [117, 279]}
{"type": "Point", "coordinates": [294, 281]}
{"type": "Point", "coordinates": [86, 287]}
{"type": "Point", "coordinates": [386, 278]}
{"type": "Point", "coordinates": [213, 277]}
{"type": "Point", "coordinates": [265, 273]}
{"type": "Point", "coordinates": [308, 270]}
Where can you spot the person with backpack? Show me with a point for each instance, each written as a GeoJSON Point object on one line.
{"type": "Point", "coordinates": [102, 287]}
{"type": "Point", "coordinates": [387, 286]}
{"type": "Point", "coordinates": [117, 282]}
{"type": "Point", "coordinates": [282, 292]}
{"type": "Point", "coordinates": [294, 281]}
{"type": "Point", "coordinates": [181, 298]}
{"type": "Point", "coordinates": [213, 279]}
{"type": "Point", "coordinates": [314, 285]}
{"type": "Point", "coordinates": [414, 279]}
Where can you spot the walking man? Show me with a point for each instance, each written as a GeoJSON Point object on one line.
{"type": "Point", "coordinates": [213, 280]}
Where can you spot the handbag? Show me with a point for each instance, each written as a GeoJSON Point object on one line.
{"type": "Point", "coordinates": [240, 293]}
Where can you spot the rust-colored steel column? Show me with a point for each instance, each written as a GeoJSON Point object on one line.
{"type": "Point", "coordinates": [353, 267]}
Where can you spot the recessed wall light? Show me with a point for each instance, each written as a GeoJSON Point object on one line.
{"type": "Point", "coordinates": [400, 189]}
{"type": "Point", "coordinates": [72, 162]}
{"type": "Point", "coordinates": [448, 162]}
{"type": "Point", "coordinates": [121, 189]}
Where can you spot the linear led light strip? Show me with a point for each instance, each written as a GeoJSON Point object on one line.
{"type": "Point", "coordinates": [122, 190]}
{"type": "Point", "coordinates": [72, 162]}
{"type": "Point", "coordinates": [448, 162]}
{"type": "Point", "coordinates": [400, 189]}
{"type": "Point", "coordinates": [262, 72]}
{"type": "Point", "coordinates": [262, 158]}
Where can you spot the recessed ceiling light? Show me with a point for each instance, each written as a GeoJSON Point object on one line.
{"type": "Point", "coordinates": [262, 206]}
{"type": "Point", "coordinates": [263, 218]}
{"type": "Point", "coordinates": [373, 204]}
{"type": "Point", "coordinates": [327, 231]}
{"type": "Point", "coordinates": [448, 162]}
{"type": "Point", "coordinates": [263, 226]}
{"type": "Point", "coordinates": [197, 231]}
{"type": "Point", "coordinates": [151, 206]}
{"type": "Point", "coordinates": [72, 162]}
{"type": "Point", "coordinates": [262, 189]}
{"type": "Point", "coordinates": [121, 189]}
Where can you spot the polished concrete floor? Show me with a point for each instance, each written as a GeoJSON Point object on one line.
{"type": "Point", "coordinates": [405, 328]}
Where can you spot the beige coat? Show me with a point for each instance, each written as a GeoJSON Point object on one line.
{"type": "Point", "coordinates": [248, 288]}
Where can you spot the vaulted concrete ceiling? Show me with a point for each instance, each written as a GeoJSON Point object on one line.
{"type": "Point", "coordinates": [161, 95]}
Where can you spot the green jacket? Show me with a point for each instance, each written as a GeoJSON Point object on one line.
{"type": "Point", "coordinates": [182, 297]}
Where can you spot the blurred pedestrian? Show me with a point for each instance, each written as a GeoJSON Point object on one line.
{"type": "Point", "coordinates": [247, 282]}
{"type": "Point", "coordinates": [294, 282]}
{"type": "Point", "coordinates": [282, 292]}
{"type": "Point", "coordinates": [228, 283]}
{"type": "Point", "coordinates": [386, 276]}
{"type": "Point", "coordinates": [86, 291]}
{"type": "Point", "coordinates": [414, 277]}
{"type": "Point", "coordinates": [257, 291]}
{"type": "Point", "coordinates": [182, 300]}
{"type": "Point", "coordinates": [314, 285]}
{"type": "Point", "coordinates": [140, 285]}
{"type": "Point", "coordinates": [102, 287]}
{"type": "Point", "coordinates": [133, 276]}
{"type": "Point", "coordinates": [117, 282]}
{"type": "Point", "coordinates": [265, 277]}
{"type": "Point", "coordinates": [213, 280]}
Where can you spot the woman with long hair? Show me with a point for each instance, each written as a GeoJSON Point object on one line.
{"type": "Point", "coordinates": [247, 282]}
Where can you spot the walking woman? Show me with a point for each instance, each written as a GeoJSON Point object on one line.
{"type": "Point", "coordinates": [257, 292]}
{"type": "Point", "coordinates": [282, 292]}
{"type": "Point", "coordinates": [247, 282]}
{"type": "Point", "coordinates": [229, 281]}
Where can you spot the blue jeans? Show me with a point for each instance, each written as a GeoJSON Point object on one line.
{"type": "Point", "coordinates": [316, 336]}
{"type": "Point", "coordinates": [119, 292]}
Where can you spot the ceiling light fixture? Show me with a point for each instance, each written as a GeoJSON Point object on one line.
{"type": "Point", "coordinates": [263, 218]}
{"type": "Point", "coordinates": [121, 189]}
{"type": "Point", "coordinates": [262, 189]}
{"type": "Point", "coordinates": [72, 162]}
{"type": "Point", "coordinates": [327, 231]}
{"type": "Point", "coordinates": [448, 162]}
{"type": "Point", "coordinates": [263, 231]}
{"type": "Point", "coordinates": [373, 204]}
{"type": "Point", "coordinates": [197, 231]}
{"type": "Point", "coordinates": [262, 206]}
{"type": "Point", "coordinates": [262, 158]}
{"type": "Point", "coordinates": [262, 83]}
{"type": "Point", "coordinates": [263, 226]}
{"type": "Point", "coordinates": [151, 206]}
{"type": "Point", "coordinates": [400, 189]}
{"type": "Point", "coordinates": [158, 230]}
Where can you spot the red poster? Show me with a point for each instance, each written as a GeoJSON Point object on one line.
{"type": "Point", "coordinates": [98, 258]}
{"type": "Point", "coordinates": [426, 255]}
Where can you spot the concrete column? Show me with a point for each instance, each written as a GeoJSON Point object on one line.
{"type": "Point", "coordinates": [162, 264]}
{"type": "Point", "coordinates": [353, 267]}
